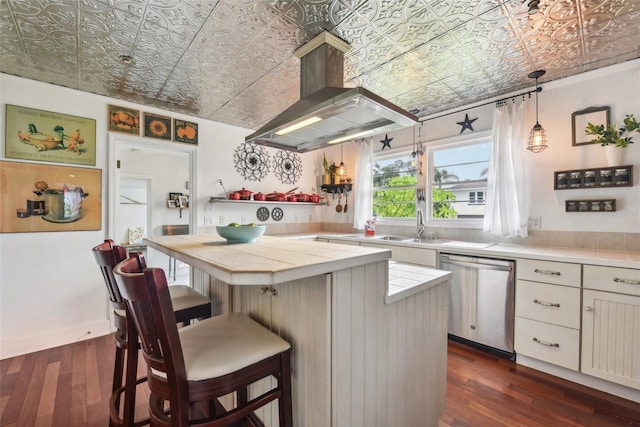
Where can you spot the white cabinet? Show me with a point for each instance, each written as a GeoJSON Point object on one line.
{"type": "Point", "coordinates": [611, 324]}
{"type": "Point", "coordinates": [550, 343]}
{"type": "Point", "coordinates": [547, 325]}
{"type": "Point", "coordinates": [559, 273]}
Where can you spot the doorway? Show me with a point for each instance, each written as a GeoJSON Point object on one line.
{"type": "Point", "coordinates": [141, 176]}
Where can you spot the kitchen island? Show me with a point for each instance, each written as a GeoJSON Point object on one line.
{"type": "Point", "coordinates": [362, 354]}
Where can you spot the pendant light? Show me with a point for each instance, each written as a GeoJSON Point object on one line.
{"type": "Point", "coordinates": [537, 138]}
{"type": "Point", "coordinates": [414, 153]}
{"type": "Point", "coordinates": [417, 147]}
{"type": "Point", "coordinates": [341, 169]}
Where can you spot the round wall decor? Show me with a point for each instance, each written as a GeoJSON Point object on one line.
{"type": "Point", "coordinates": [262, 213]}
{"type": "Point", "coordinates": [287, 166]}
{"type": "Point", "coordinates": [252, 161]}
{"type": "Point", "coordinates": [277, 214]}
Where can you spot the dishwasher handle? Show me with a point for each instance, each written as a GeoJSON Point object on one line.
{"type": "Point", "coordinates": [477, 265]}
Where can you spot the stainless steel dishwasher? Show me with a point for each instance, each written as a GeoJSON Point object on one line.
{"type": "Point", "coordinates": [481, 301]}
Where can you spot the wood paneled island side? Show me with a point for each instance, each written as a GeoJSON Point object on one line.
{"type": "Point", "coordinates": [358, 359]}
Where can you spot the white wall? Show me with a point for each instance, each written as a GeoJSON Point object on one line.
{"type": "Point", "coordinates": [617, 87]}
{"type": "Point", "coordinates": [51, 292]}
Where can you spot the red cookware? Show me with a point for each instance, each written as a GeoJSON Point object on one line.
{"type": "Point", "coordinates": [234, 196]}
{"type": "Point", "coordinates": [292, 198]}
{"type": "Point", "coordinates": [314, 198]}
{"type": "Point", "coordinates": [302, 197]}
{"type": "Point", "coordinates": [260, 197]}
{"type": "Point", "coordinates": [275, 197]}
{"type": "Point", "coordinates": [244, 194]}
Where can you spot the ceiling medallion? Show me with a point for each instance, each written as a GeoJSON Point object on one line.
{"type": "Point", "coordinates": [466, 123]}
{"type": "Point", "coordinates": [252, 161]}
{"type": "Point", "coordinates": [288, 166]}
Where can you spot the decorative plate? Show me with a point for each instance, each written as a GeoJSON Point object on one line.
{"type": "Point", "coordinates": [262, 213]}
{"type": "Point", "coordinates": [277, 214]}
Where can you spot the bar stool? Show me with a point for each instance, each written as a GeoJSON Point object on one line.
{"type": "Point", "coordinates": [188, 304]}
{"type": "Point", "coordinates": [202, 362]}
{"type": "Point", "coordinates": [174, 230]}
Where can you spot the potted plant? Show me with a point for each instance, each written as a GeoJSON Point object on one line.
{"type": "Point", "coordinates": [612, 137]}
{"type": "Point", "coordinates": [330, 170]}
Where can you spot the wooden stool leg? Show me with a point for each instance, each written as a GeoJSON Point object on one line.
{"type": "Point", "coordinates": [285, 401]}
{"type": "Point", "coordinates": [131, 375]}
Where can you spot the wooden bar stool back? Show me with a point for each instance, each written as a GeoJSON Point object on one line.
{"type": "Point", "coordinates": [191, 305]}
{"type": "Point", "coordinates": [190, 368]}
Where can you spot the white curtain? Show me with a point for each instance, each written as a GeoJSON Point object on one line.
{"type": "Point", "coordinates": [506, 211]}
{"type": "Point", "coordinates": [364, 184]}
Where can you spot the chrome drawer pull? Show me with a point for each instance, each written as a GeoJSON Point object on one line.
{"type": "Point", "coordinates": [547, 272]}
{"type": "Point", "coordinates": [627, 281]}
{"type": "Point", "coordinates": [547, 343]}
{"type": "Point", "coordinates": [547, 304]}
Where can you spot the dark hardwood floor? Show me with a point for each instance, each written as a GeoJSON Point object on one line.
{"type": "Point", "coordinates": [486, 390]}
{"type": "Point", "coordinates": [69, 386]}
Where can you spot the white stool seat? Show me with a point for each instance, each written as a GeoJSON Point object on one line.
{"type": "Point", "coordinates": [183, 296]}
{"type": "Point", "coordinates": [238, 341]}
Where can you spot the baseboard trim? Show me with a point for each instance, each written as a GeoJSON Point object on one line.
{"type": "Point", "coordinates": [12, 347]}
{"type": "Point", "coordinates": [580, 378]}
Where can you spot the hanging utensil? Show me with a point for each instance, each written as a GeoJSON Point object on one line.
{"type": "Point", "coordinates": [346, 200]}
{"type": "Point", "coordinates": [339, 207]}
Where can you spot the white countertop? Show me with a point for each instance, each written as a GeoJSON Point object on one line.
{"type": "Point", "coordinates": [409, 279]}
{"type": "Point", "coordinates": [266, 261]}
{"type": "Point", "coordinates": [509, 251]}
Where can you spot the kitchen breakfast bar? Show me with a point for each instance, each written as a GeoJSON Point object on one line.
{"type": "Point", "coordinates": [368, 335]}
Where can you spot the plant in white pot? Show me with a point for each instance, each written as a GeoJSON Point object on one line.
{"type": "Point", "coordinates": [614, 138]}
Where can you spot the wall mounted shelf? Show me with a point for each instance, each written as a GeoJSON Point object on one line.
{"type": "Point", "coordinates": [605, 177]}
{"type": "Point", "coordinates": [604, 205]}
{"type": "Point", "coordinates": [254, 202]}
{"type": "Point", "coordinates": [336, 188]}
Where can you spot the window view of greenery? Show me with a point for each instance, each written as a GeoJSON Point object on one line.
{"type": "Point", "coordinates": [459, 180]}
{"type": "Point", "coordinates": [394, 186]}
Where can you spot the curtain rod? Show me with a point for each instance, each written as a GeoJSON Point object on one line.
{"type": "Point", "coordinates": [497, 101]}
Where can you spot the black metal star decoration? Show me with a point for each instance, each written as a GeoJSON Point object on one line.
{"type": "Point", "coordinates": [466, 124]}
{"type": "Point", "coordinates": [386, 142]}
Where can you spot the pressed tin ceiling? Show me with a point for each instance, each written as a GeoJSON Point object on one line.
{"type": "Point", "coordinates": [232, 61]}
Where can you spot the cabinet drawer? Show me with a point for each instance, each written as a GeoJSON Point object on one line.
{"type": "Point", "coordinates": [612, 279]}
{"type": "Point", "coordinates": [559, 273]}
{"type": "Point", "coordinates": [549, 343]}
{"type": "Point", "coordinates": [555, 304]}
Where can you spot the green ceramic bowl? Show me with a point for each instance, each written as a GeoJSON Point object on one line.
{"type": "Point", "coordinates": [241, 233]}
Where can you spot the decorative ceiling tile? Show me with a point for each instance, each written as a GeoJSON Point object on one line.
{"type": "Point", "coordinates": [232, 60]}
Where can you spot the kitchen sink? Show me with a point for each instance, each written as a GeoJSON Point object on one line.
{"type": "Point", "coordinates": [394, 238]}
{"type": "Point", "coordinates": [425, 240]}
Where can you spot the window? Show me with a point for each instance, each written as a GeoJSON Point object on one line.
{"type": "Point", "coordinates": [458, 180]}
{"type": "Point", "coordinates": [476, 197]}
{"type": "Point", "coordinates": [394, 185]}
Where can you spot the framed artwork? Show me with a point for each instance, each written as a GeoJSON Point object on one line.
{"type": "Point", "coordinates": [579, 120]}
{"type": "Point", "coordinates": [174, 196]}
{"type": "Point", "coordinates": [47, 136]}
{"type": "Point", "coordinates": [124, 120]}
{"type": "Point", "coordinates": [157, 126]}
{"type": "Point", "coordinates": [184, 131]}
{"type": "Point", "coordinates": [37, 197]}
{"type": "Point", "coordinates": [183, 201]}
{"type": "Point", "coordinates": [172, 203]}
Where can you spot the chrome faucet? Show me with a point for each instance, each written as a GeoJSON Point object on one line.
{"type": "Point", "coordinates": [419, 223]}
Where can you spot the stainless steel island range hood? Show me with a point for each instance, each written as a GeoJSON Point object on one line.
{"type": "Point", "coordinates": [327, 112]}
